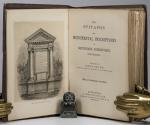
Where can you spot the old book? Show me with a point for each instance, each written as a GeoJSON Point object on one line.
{"type": "Point", "coordinates": [96, 52]}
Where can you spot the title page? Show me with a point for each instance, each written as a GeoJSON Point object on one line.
{"type": "Point", "coordinates": [98, 60]}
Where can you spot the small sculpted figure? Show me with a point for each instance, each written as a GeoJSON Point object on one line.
{"type": "Point", "coordinates": [68, 106]}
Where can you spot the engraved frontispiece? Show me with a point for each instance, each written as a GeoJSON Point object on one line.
{"type": "Point", "coordinates": [37, 48]}
{"type": "Point", "coordinates": [40, 76]}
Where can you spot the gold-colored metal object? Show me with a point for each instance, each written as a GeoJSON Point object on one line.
{"type": "Point", "coordinates": [5, 108]}
{"type": "Point", "coordinates": [141, 90]}
{"type": "Point", "coordinates": [135, 105]}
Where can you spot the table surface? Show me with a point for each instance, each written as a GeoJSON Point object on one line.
{"type": "Point", "coordinates": [72, 121]}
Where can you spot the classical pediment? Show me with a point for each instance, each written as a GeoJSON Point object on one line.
{"type": "Point", "coordinates": [40, 36]}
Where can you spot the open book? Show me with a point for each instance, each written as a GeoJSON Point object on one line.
{"type": "Point", "coordinates": [95, 52]}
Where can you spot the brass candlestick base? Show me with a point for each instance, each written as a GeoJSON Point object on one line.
{"type": "Point", "coordinates": [5, 108]}
{"type": "Point", "coordinates": [135, 105]}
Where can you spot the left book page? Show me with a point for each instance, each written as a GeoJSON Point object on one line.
{"type": "Point", "coordinates": [37, 63]}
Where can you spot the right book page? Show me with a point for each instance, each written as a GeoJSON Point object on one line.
{"type": "Point", "coordinates": [98, 60]}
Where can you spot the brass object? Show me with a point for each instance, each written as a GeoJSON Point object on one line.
{"type": "Point", "coordinates": [135, 105]}
{"type": "Point", "coordinates": [141, 90]}
{"type": "Point", "coordinates": [5, 108]}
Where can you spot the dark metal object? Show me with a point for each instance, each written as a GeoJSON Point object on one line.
{"type": "Point", "coordinates": [68, 106]}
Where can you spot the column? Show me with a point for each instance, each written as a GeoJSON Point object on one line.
{"type": "Point", "coordinates": [31, 65]}
{"type": "Point", "coordinates": [48, 63]}
{"type": "Point", "coordinates": [33, 71]}
{"type": "Point", "coordinates": [51, 64]}
{"type": "Point", "coordinates": [48, 66]}
{"type": "Point", "coordinates": [29, 58]}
